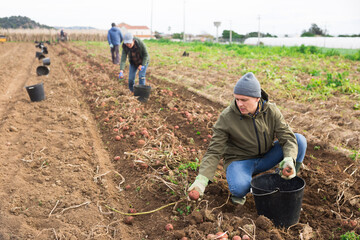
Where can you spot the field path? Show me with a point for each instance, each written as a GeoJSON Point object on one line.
{"type": "Point", "coordinates": [11, 81]}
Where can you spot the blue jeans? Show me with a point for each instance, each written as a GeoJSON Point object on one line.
{"type": "Point", "coordinates": [239, 173]}
{"type": "Point", "coordinates": [132, 75]}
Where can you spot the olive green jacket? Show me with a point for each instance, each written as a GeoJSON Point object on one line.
{"type": "Point", "coordinates": [143, 53]}
{"type": "Point", "coordinates": [240, 137]}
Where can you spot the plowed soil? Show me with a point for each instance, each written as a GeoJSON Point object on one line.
{"type": "Point", "coordinates": [64, 175]}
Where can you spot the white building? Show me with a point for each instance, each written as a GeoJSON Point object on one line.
{"type": "Point", "coordinates": [142, 32]}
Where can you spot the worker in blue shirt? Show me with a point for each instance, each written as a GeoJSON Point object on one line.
{"type": "Point", "coordinates": [115, 38]}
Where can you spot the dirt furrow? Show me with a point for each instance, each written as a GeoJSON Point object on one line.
{"type": "Point", "coordinates": [51, 161]}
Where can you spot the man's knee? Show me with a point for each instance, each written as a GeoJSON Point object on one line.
{"type": "Point", "coordinates": [240, 188]}
{"type": "Point", "coordinates": [301, 140]}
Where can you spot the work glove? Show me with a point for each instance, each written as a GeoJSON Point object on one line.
{"type": "Point", "coordinates": [287, 168]}
{"type": "Point", "coordinates": [140, 68]}
{"type": "Point", "coordinates": [121, 75]}
{"type": "Point", "coordinates": [200, 184]}
{"type": "Point", "coordinates": [111, 46]}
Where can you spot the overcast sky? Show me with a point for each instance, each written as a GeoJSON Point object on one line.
{"type": "Point", "coordinates": [277, 17]}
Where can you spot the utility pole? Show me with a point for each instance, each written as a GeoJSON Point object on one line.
{"type": "Point", "coordinates": [151, 24]}
{"type": "Point", "coordinates": [258, 43]}
{"type": "Point", "coordinates": [325, 33]}
{"type": "Point", "coordinates": [230, 33]}
{"type": "Point", "coordinates": [217, 24]}
{"type": "Point", "coordinates": [184, 23]}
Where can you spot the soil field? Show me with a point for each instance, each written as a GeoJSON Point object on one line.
{"type": "Point", "coordinates": [80, 163]}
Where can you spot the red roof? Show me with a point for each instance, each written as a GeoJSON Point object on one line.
{"type": "Point", "coordinates": [127, 26]}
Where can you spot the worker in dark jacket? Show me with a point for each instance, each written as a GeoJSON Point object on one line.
{"type": "Point", "coordinates": [244, 137]}
{"type": "Point", "coordinates": [114, 37]}
{"type": "Point", "coordinates": [138, 55]}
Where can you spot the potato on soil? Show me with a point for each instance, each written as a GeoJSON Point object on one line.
{"type": "Point", "coordinates": [287, 171]}
{"type": "Point", "coordinates": [221, 235]}
{"type": "Point", "coordinates": [245, 237]}
{"type": "Point", "coordinates": [169, 227]}
{"type": "Point", "coordinates": [117, 138]}
{"type": "Point", "coordinates": [127, 187]}
{"type": "Point", "coordinates": [144, 166]}
{"type": "Point", "coordinates": [117, 158]}
{"type": "Point", "coordinates": [210, 236]}
{"type": "Point", "coordinates": [194, 195]}
{"type": "Point", "coordinates": [353, 223]}
{"type": "Point", "coordinates": [236, 238]}
{"type": "Point", "coordinates": [140, 143]}
{"type": "Point", "coordinates": [132, 210]}
{"type": "Point", "coordinates": [344, 222]}
{"type": "Point", "coordinates": [129, 220]}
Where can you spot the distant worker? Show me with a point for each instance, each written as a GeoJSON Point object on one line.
{"type": "Point", "coordinates": [138, 58]}
{"type": "Point", "coordinates": [63, 36]}
{"type": "Point", "coordinates": [115, 38]}
{"type": "Point", "coordinates": [244, 135]}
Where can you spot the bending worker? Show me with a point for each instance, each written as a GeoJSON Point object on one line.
{"type": "Point", "coordinates": [138, 58]}
{"type": "Point", "coordinates": [244, 137]}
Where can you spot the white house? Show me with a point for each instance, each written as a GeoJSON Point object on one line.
{"type": "Point", "coordinates": [142, 32]}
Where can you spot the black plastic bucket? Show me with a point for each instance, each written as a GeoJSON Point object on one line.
{"type": "Point", "coordinates": [46, 61]}
{"type": "Point", "coordinates": [36, 92]}
{"type": "Point", "coordinates": [143, 91]}
{"type": "Point", "coordinates": [39, 55]}
{"type": "Point", "coordinates": [44, 50]}
{"type": "Point", "coordinates": [42, 70]}
{"type": "Point", "coordinates": [278, 199]}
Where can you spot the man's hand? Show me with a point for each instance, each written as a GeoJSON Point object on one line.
{"type": "Point", "coordinates": [287, 168]}
{"type": "Point", "coordinates": [200, 184]}
{"type": "Point", "coordinates": [111, 46]}
{"type": "Point", "coordinates": [140, 67]}
{"type": "Point", "coordinates": [121, 75]}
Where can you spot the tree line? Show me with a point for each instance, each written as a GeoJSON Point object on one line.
{"type": "Point", "coordinates": [14, 22]}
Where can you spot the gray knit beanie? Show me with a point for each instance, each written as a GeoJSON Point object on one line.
{"type": "Point", "coordinates": [248, 85]}
{"type": "Point", "coordinates": [128, 37]}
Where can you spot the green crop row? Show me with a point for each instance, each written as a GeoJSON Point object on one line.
{"type": "Point", "coordinates": [265, 51]}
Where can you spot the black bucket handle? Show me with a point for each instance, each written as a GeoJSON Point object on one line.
{"type": "Point", "coordinates": [264, 194]}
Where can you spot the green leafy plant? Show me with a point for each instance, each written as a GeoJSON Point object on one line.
{"type": "Point", "coordinates": [354, 155]}
{"type": "Point", "coordinates": [184, 209]}
{"type": "Point", "coordinates": [192, 165]}
{"type": "Point", "coordinates": [350, 236]}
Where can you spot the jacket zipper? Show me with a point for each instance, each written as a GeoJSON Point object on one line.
{"type": "Point", "coordinates": [257, 136]}
{"type": "Point", "coordinates": [265, 141]}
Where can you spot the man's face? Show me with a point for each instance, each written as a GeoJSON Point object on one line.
{"type": "Point", "coordinates": [246, 104]}
{"type": "Point", "coordinates": [130, 45]}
